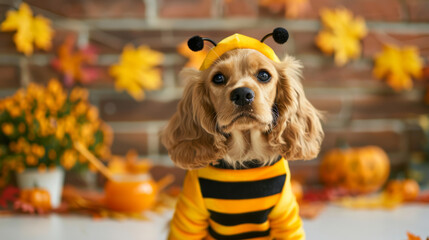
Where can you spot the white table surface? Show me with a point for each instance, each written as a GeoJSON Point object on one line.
{"type": "Point", "coordinates": [333, 224]}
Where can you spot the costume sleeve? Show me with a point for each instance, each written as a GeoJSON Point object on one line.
{"type": "Point", "coordinates": [284, 219]}
{"type": "Point", "coordinates": [190, 220]}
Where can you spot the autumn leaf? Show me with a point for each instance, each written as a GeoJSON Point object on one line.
{"type": "Point", "coordinates": [292, 8]}
{"type": "Point", "coordinates": [397, 66]}
{"type": "Point", "coordinates": [195, 59]}
{"type": "Point", "coordinates": [412, 236]}
{"type": "Point", "coordinates": [136, 71]}
{"type": "Point", "coordinates": [28, 29]}
{"type": "Point", "coordinates": [75, 64]}
{"type": "Point", "coordinates": [8, 194]}
{"type": "Point", "coordinates": [341, 34]}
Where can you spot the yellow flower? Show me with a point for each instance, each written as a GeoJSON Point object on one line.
{"type": "Point", "coordinates": [79, 94]}
{"type": "Point", "coordinates": [68, 159]}
{"type": "Point", "coordinates": [7, 128]}
{"type": "Point", "coordinates": [15, 112]}
{"type": "Point", "coordinates": [54, 87]}
{"type": "Point", "coordinates": [80, 108]}
{"type": "Point", "coordinates": [60, 131]}
{"type": "Point", "coordinates": [31, 160]}
{"type": "Point", "coordinates": [92, 114]}
{"type": "Point", "coordinates": [38, 150]}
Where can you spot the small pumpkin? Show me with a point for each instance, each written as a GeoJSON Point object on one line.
{"type": "Point", "coordinates": [358, 170]}
{"type": "Point", "coordinates": [407, 189]}
{"type": "Point", "coordinates": [37, 197]}
{"type": "Point", "coordinates": [131, 193]}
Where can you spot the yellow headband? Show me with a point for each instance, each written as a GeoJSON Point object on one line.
{"type": "Point", "coordinates": [237, 41]}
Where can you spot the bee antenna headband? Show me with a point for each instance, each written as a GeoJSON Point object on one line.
{"type": "Point", "coordinates": [238, 41]}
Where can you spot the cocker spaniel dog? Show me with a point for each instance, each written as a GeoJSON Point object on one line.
{"type": "Point", "coordinates": [243, 115]}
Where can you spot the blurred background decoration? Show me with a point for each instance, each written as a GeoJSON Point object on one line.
{"type": "Point", "coordinates": [365, 66]}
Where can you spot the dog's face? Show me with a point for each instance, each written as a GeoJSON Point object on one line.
{"type": "Point", "coordinates": [244, 106]}
{"type": "Point", "coordinates": [242, 87]}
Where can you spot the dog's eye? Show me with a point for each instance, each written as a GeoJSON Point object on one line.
{"type": "Point", "coordinates": [219, 79]}
{"type": "Point", "coordinates": [263, 76]}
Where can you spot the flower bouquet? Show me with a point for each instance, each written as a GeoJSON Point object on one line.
{"type": "Point", "coordinates": [39, 125]}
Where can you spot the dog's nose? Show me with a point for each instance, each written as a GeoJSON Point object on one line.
{"type": "Point", "coordinates": [242, 96]}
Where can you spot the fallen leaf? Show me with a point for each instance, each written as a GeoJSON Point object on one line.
{"type": "Point", "coordinates": [9, 194]}
{"type": "Point", "coordinates": [412, 236]}
{"type": "Point", "coordinates": [74, 64]}
{"type": "Point", "coordinates": [341, 34]}
{"type": "Point", "coordinates": [136, 71]}
{"type": "Point", "coordinates": [28, 29]}
{"type": "Point", "coordinates": [397, 66]}
{"type": "Point", "coordinates": [195, 59]}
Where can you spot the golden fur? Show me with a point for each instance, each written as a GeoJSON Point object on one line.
{"type": "Point", "coordinates": [208, 126]}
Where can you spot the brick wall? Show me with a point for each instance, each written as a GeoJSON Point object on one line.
{"type": "Point", "coordinates": [359, 109]}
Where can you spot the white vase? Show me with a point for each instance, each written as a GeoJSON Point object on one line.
{"type": "Point", "coordinates": [51, 180]}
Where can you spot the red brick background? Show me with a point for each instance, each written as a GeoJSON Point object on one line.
{"type": "Point", "coordinates": [359, 108]}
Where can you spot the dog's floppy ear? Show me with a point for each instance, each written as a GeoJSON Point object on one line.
{"type": "Point", "coordinates": [298, 132]}
{"type": "Point", "coordinates": [190, 136]}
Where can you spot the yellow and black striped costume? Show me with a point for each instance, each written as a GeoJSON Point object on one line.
{"type": "Point", "coordinates": [251, 203]}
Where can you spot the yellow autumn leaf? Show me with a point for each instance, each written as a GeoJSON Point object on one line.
{"type": "Point", "coordinates": [136, 71]}
{"type": "Point", "coordinates": [195, 59]}
{"type": "Point", "coordinates": [28, 29]}
{"type": "Point", "coordinates": [397, 66]}
{"type": "Point", "coordinates": [341, 34]}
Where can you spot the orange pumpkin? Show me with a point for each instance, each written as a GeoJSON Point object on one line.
{"type": "Point", "coordinates": [407, 189]}
{"type": "Point", "coordinates": [38, 198]}
{"type": "Point", "coordinates": [358, 170]}
{"type": "Point", "coordinates": [131, 194]}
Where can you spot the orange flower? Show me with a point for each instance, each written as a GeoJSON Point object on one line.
{"type": "Point", "coordinates": [79, 94]}
{"type": "Point", "coordinates": [7, 128]}
{"type": "Point", "coordinates": [38, 150]}
{"type": "Point", "coordinates": [31, 160]}
{"type": "Point", "coordinates": [92, 114]}
{"type": "Point", "coordinates": [68, 159]}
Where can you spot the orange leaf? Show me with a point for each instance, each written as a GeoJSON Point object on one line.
{"type": "Point", "coordinates": [412, 236]}
{"type": "Point", "coordinates": [74, 64]}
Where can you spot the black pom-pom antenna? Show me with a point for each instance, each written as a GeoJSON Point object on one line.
{"type": "Point", "coordinates": [280, 35]}
{"type": "Point", "coordinates": [196, 43]}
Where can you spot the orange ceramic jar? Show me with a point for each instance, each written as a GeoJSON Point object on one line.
{"type": "Point", "coordinates": [131, 193]}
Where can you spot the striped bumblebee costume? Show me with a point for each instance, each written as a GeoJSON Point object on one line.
{"type": "Point", "coordinates": [252, 203]}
